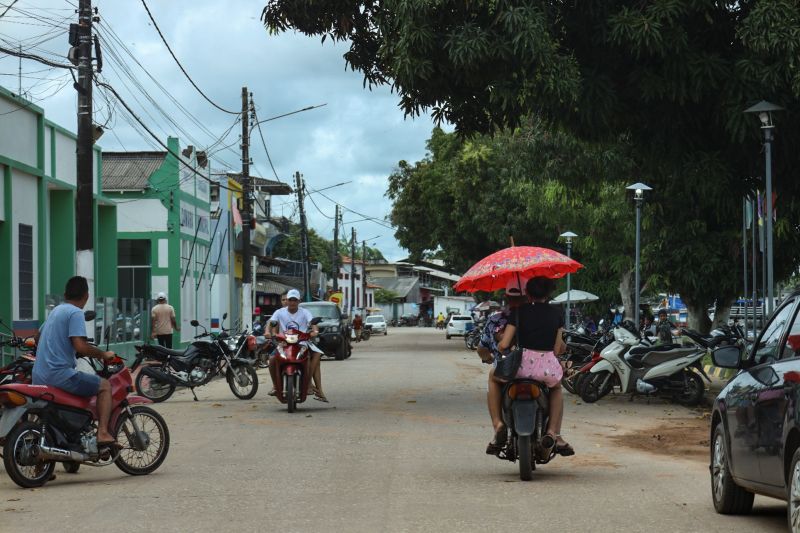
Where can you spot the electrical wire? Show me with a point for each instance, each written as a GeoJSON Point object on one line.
{"type": "Point", "coordinates": [34, 57]}
{"type": "Point", "coordinates": [367, 217]}
{"type": "Point", "coordinates": [164, 40]}
{"type": "Point", "coordinates": [264, 144]}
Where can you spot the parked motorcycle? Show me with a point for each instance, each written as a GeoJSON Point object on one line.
{"type": "Point", "coordinates": [473, 337]}
{"type": "Point", "coordinates": [19, 370]}
{"type": "Point", "coordinates": [294, 347]}
{"type": "Point", "coordinates": [637, 367]}
{"type": "Point", "coordinates": [43, 425]}
{"type": "Point", "coordinates": [578, 361]}
{"type": "Point", "coordinates": [366, 332]}
{"type": "Point", "coordinates": [525, 413]}
{"type": "Point", "coordinates": [195, 366]}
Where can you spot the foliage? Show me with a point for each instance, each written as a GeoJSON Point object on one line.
{"type": "Point", "coordinates": [320, 249]}
{"type": "Point", "coordinates": [385, 296]}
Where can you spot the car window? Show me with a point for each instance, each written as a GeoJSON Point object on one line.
{"type": "Point", "coordinates": [792, 346]}
{"type": "Point", "coordinates": [374, 319]}
{"type": "Point", "coordinates": [767, 349]}
{"type": "Point", "coordinates": [461, 318]}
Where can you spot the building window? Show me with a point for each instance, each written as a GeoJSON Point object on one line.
{"type": "Point", "coordinates": [133, 260]}
{"type": "Point", "coordinates": [25, 272]}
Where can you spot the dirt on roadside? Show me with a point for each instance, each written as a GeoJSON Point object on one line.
{"type": "Point", "coordinates": [677, 437]}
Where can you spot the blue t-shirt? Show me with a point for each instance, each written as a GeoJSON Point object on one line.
{"type": "Point", "coordinates": [55, 356]}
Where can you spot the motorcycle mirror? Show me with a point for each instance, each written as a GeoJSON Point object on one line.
{"type": "Point", "coordinates": [194, 323]}
{"type": "Point", "coordinates": [726, 357]}
{"type": "Point", "coordinates": [224, 316]}
{"type": "Point", "coordinates": [316, 321]}
{"type": "Point", "coordinates": [88, 316]}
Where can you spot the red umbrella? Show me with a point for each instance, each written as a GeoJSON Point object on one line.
{"type": "Point", "coordinates": [495, 271]}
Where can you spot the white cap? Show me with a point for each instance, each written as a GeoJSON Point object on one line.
{"type": "Point", "coordinates": [293, 294]}
{"type": "Point", "coordinates": [161, 296]}
{"type": "Point", "coordinates": [516, 286]}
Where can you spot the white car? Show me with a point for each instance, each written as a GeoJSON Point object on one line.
{"type": "Point", "coordinates": [378, 323]}
{"type": "Point", "coordinates": [459, 325]}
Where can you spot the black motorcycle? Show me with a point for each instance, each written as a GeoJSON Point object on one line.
{"type": "Point", "coordinates": [203, 360]}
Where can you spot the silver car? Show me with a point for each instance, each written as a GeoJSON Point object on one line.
{"type": "Point", "coordinates": [378, 323]}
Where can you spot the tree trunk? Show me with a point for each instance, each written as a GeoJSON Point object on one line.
{"type": "Point", "coordinates": [698, 316]}
{"type": "Point", "coordinates": [723, 312]}
{"type": "Point", "coordinates": [626, 282]}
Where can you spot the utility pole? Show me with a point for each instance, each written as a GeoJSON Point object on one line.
{"type": "Point", "coordinates": [335, 267]}
{"type": "Point", "coordinates": [364, 275]}
{"type": "Point", "coordinates": [84, 208]}
{"type": "Point", "coordinates": [247, 215]}
{"type": "Point", "coordinates": [304, 248]}
{"type": "Point", "coordinates": [352, 270]}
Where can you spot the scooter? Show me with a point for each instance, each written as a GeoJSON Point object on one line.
{"type": "Point", "coordinates": [43, 425]}
{"type": "Point", "coordinates": [526, 408]}
{"type": "Point", "coordinates": [291, 364]}
{"type": "Point", "coordinates": [637, 367]}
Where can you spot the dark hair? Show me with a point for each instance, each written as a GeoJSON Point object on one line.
{"type": "Point", "coordinates": [540, 287]}
{"type": "Point", "coordinates": [77, 287]}
{"type": "Point", "coordinates": [662, 312]}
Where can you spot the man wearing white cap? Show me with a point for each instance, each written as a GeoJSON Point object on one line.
{"type": "Point", "coordinates": [294, 316]}
{"type": "Point", "coordinates": [163, 321]}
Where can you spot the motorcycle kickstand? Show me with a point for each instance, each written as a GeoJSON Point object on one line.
{"type": "Point", "coordinates": [193, 394]}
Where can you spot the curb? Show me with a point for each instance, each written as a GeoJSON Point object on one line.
{"type": "Point", "coordinates": [717, 372]}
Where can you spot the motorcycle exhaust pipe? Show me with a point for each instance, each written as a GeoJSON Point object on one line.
{"type": "Point", "coordinates": [643, 387]}
{"type": "Point", "coordinates": [160, 375]}
{"type": "Point", "coordinates": [51, 453]}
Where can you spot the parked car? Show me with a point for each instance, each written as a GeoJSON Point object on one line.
{"type": "Point", "coordinates": [334, 330]}
{"type": "Point", "coordinates": [755, 422]}
{"type": "Point", "coordinates": [459, 325]}
{"type": "Point", "coordinates": [378, 323]}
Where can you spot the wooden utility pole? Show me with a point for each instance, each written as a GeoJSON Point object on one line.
{"type": "Point", "coordinates": [247, 215]}
{"type": "Point", "coordinates": [335, 263]}
{"type": "Point", "coordinates": [352, 270]}
{"type": "Point", "coordinates": [364, 276]}
{"type": "Point", "coordinates": [304, 248]}
{"type": "Point", "coordinates": [84, 200]}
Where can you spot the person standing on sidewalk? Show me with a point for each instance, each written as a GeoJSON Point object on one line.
{"type": "Point", "coordinates": [163, 321]}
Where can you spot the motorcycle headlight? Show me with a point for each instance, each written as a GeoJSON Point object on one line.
{"type": "Point", "coordinates": [291, 339]}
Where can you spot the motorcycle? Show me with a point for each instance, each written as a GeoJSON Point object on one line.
{"type": "Point", "coordinates": [292, 364]}
{"type": "Point", "coordinates": [473, 337]}
{"type": "Point", "coordinates": [526, 410]}
{"type": "Point", "coordinates": [638, 367]}
{"type": "Point", "coordinates": [19, 370]}
{"type": "Point", "coordinates": [196, 366]}
{"type": "Point", "coordinates": [366, 332]}
{"type": "Point", "coordinates": [577, 360]}
{"type": "Point", "coordinates": [42, 425]}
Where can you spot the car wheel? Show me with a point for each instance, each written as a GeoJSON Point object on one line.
{"type": "Point", "coordinates": [793, 510]}
{"type": "Point", "coordinates": [728, 497]}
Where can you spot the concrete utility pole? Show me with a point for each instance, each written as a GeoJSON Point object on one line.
{"type": "Point", "coordinates": [247, 215]}
{"type": "Point", "coordinates": [364, 274]}
{"type": "Point", "coordinates": [304, 248]}
{"type": "Point", "coordinates": [84, 200]}
{"type": "Point", "coordinates": [335, 263]}
{"type": "Point", "coordinates": [352, 270]}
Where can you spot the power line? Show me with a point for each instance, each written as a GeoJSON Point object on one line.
{"type": "Point", "coordinates": [366, 217]}
{"type": "Point", "coordinates": [260, 134]}
{"type": "Point", "coordinates": [153, 20]}
{"type": "Point", "coordinates": [34, 57]}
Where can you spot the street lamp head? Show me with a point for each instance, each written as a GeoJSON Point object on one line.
{"type": "Point", "coordinates": [764, 111]}
{"type": "Point", "coordinates": [568, 236]}
{"type": "Point", "coordinates": [638, 190]}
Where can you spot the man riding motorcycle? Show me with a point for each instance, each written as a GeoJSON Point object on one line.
{"type": "Point", "coordinates": [62, 336]}
{"type": "Point", "coordinates": [294, 316]}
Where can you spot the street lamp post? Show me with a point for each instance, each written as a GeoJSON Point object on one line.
{"type": "Point", "coordinates": [638, 196]}
{"type": "Point", "coordinates": [568, 236]}
{"type": "Point", "coordinates": [764, 111]}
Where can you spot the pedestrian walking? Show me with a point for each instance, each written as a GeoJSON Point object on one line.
{"type": "Point", "coordinates": [163, 321]}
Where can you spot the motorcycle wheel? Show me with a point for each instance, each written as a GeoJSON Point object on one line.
{"type": "Point", "coordinates": [243, 381]}
{"type": "Point", "coordinates": [590, 386]}
{"type": "Point", "coordinates": [341, 351]}
{"type": "Point", "coordinates": [524, 455]}
{"type": "Point", "coordinates": [17, 451]}
{"type": "Point", "coordinates": [152, 389]}
{"type": "Point", "coordinates": [144, 448]}
{"type": "Point", "coordinates": [693, 391]}
{"type": "Point", "coordinates": [291, 399]}
{"type": "Point", "coordinates": [365, 335]}
{"type": "Point", "coordinates": [71, 467]}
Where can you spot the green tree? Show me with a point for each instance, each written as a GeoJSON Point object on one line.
{"type": "Point", "coordinates": [385, 296]}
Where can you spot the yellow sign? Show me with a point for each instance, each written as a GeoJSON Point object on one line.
{"type": "Point", "coordinates": [237, 266]}
{"type": "Point", "coordinates": [337, 298]}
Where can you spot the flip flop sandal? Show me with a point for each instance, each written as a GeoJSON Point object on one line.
{"type": "Point", "coordinates": [113, 445]}
{"type": "Point", "coordinates": [320, 398]}
{"type": "Point", "coordinates": [273, 392]}
{"type": "Point", "coordinates": [565, 450]}
{"type": "Point", "coordinates": [499, 443]}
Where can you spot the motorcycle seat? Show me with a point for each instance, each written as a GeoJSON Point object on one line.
{"type": "Point", "coordinates": [638, 351]}
{"type": "Point", "coordinates": [167, 351]}
{"type": "Point", "coordinates": [52, 394]}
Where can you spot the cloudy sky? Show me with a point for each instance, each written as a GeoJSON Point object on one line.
{"type": "Point", "coordinates": [359, 136]}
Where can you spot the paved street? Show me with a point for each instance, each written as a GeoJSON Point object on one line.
{"type": "Point", "coordinates": [399, 448]}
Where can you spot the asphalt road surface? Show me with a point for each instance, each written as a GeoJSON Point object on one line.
{"type": "Point", "coordinates": [399, 448]}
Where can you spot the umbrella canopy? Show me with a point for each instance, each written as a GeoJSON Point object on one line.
{"type": "Point", "coordinates": [495, 271]}
{"type": "Point", "coordinates": [575, 297]}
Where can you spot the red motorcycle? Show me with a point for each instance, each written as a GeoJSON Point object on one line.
{"type": "Point", "coordinates": [291, 365]}
{"type": "Point", "coordinates": [42, 425]}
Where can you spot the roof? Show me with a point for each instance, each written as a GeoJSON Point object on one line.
{"type": "Point", "coordinates": [270, 186]}
{"type": "Point", "coordinates": [130, 171]}
{"type": "Point", "coordinates": [269, 286]}
{"type": "Point", "coordinates": [400, 286]}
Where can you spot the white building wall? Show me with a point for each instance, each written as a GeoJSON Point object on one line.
{"type": "Point", "coordinates": [66, 159]}
{"type": "Point", "coordinates": [442, 303]}
{"type": "Point", "coordinates": [24, 210]}
{"type": "Point", "coordinates": [48, 159]}
{"type": "Point", "coordinates": [141, 215]}
{"type": "Point", "coordinates": [19, 133]}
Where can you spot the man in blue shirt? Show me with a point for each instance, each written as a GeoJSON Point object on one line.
{"type": "Point", "coordinates": [62, 336]}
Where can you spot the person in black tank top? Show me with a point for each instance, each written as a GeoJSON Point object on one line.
{"type": "Point", "coordinates": [540, 328]}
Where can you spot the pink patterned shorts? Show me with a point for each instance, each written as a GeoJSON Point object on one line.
{"type": "Point", "coordinates": [540, 366]}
